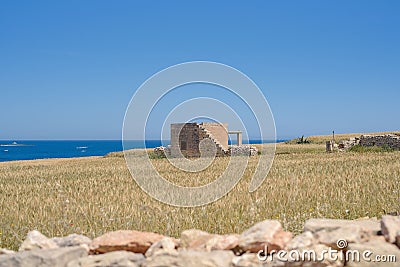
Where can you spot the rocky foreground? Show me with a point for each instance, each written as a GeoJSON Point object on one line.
{"type": "Point", "coordinates": [265, 244]}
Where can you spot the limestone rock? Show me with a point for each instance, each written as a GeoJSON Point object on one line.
{"type": "Point", "coordinates": [36, 240]}
{"type": "Point", "coordinates": [111, 259]}
{"type": "Point", "coordinates": [267, 233]}
{"type": "Point", "coordinates": [252, 260]}
{"type": "Point", "coordinates": [6, 251]}
{"type": "Point", "coordinates": [164, 246]}
{"type": "Point", "coordinates": [195, 239]}
{"type": "Point", "coordinates": [376, 248]}
{"type": "Point", "coordinates": [59, 257]}
{"type": "Point", "coordinates": [129, 240]}
{"type": "Point", "coordinates": [71, 240]}
{"type": "Point", "coordinates": [350, 234]}
{"type": "Point", "coordinates": [217, 258]}
{"type": "Point", "coordinates": [222, 242]}
{"type": "Point", "coordinates": [390, 226]}
{"type": "Point", "coordinates": [370, 226]}
{"type": "Point", "coordinates": [375, 238]}
{"type": "Point", "coordinates": [203, 241]}
{"type": "Point", "coordinates": [303, 240]}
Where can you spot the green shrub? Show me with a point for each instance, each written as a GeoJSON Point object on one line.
{"type": "Point", "coordinates": [153, 155]}
{"type": "Point", "coordinates": [302, 140]}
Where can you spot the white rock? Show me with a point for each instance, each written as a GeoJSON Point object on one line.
{"type": "Point", "coordinates": [185, 258]}
{"type": "Point", "coordinates": [164, 246]}
{"type": "Point", "coordinates": [376, 248]}
{"type": "Point", "coordinates": [194, 239]}
{"type": "Point", "coordinates": [36, 240]}
{"type": "Point", "coordinates": [110, 259]}
{"type": "Point", "coordinates": [72, 240]}
{"type": "Point", "coordinates": [58, 257]}
{"type": "Point", "coordinates": [6, 251]}
{"type": "Point", "coordinates": [390, 226]}
{"type": "Point", "coordinates": [303, 240]}
{"type": "Point", "coordinates": [349, 234]}
{"type": "Point", "coordinates": [266, 233]}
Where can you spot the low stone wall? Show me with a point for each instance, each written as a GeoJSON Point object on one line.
{"type": "Point", "coordinates": [324, 242]}
{"type": "Point", "coordinates": [234, 150]}
{"type": "Point", "coordinates": [390, 140]}
{"type": "Point", "coordinates": [243, 150]}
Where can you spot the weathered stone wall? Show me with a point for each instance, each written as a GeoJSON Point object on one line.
{"type": "Point", "coordinates": [391, 140]}
{"type": "Point", "coordinates": [329, 240]}
{"type": "Point", "coordinates": [188, 138]}
{"type": "Point", "coordinates": [185, 140]}
{"type": "Point", "coordinates": [204, 139]}
{"type": "Point", "coordinates": [243, 150]}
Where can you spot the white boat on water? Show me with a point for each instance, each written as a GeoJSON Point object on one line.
{"type": "Point", "coordinates": [14, 144]}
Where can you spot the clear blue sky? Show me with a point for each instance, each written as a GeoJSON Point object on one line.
{"type": "Point", "coordinates": [68, 69]}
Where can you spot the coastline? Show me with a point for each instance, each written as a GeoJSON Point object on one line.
{"type": "Point", "coordinates": [42, 149]}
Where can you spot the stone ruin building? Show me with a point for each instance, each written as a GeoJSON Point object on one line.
{"type": "Point", "coordinates": [192, 139]}
{"type": "Point", "coordinates": [186, 138]}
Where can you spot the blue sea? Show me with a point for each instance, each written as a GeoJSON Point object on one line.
{"type": "Point", "coordinates": [30, 149]}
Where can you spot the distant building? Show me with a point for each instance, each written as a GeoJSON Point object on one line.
{"type": "Point", "coordinates": [186, 139]}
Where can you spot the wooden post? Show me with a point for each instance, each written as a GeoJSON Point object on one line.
{"type": "Point", "coordinates": [329, 146]}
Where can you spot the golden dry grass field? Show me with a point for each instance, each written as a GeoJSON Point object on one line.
{"type": "Point", "coordinates": [97, 194]}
